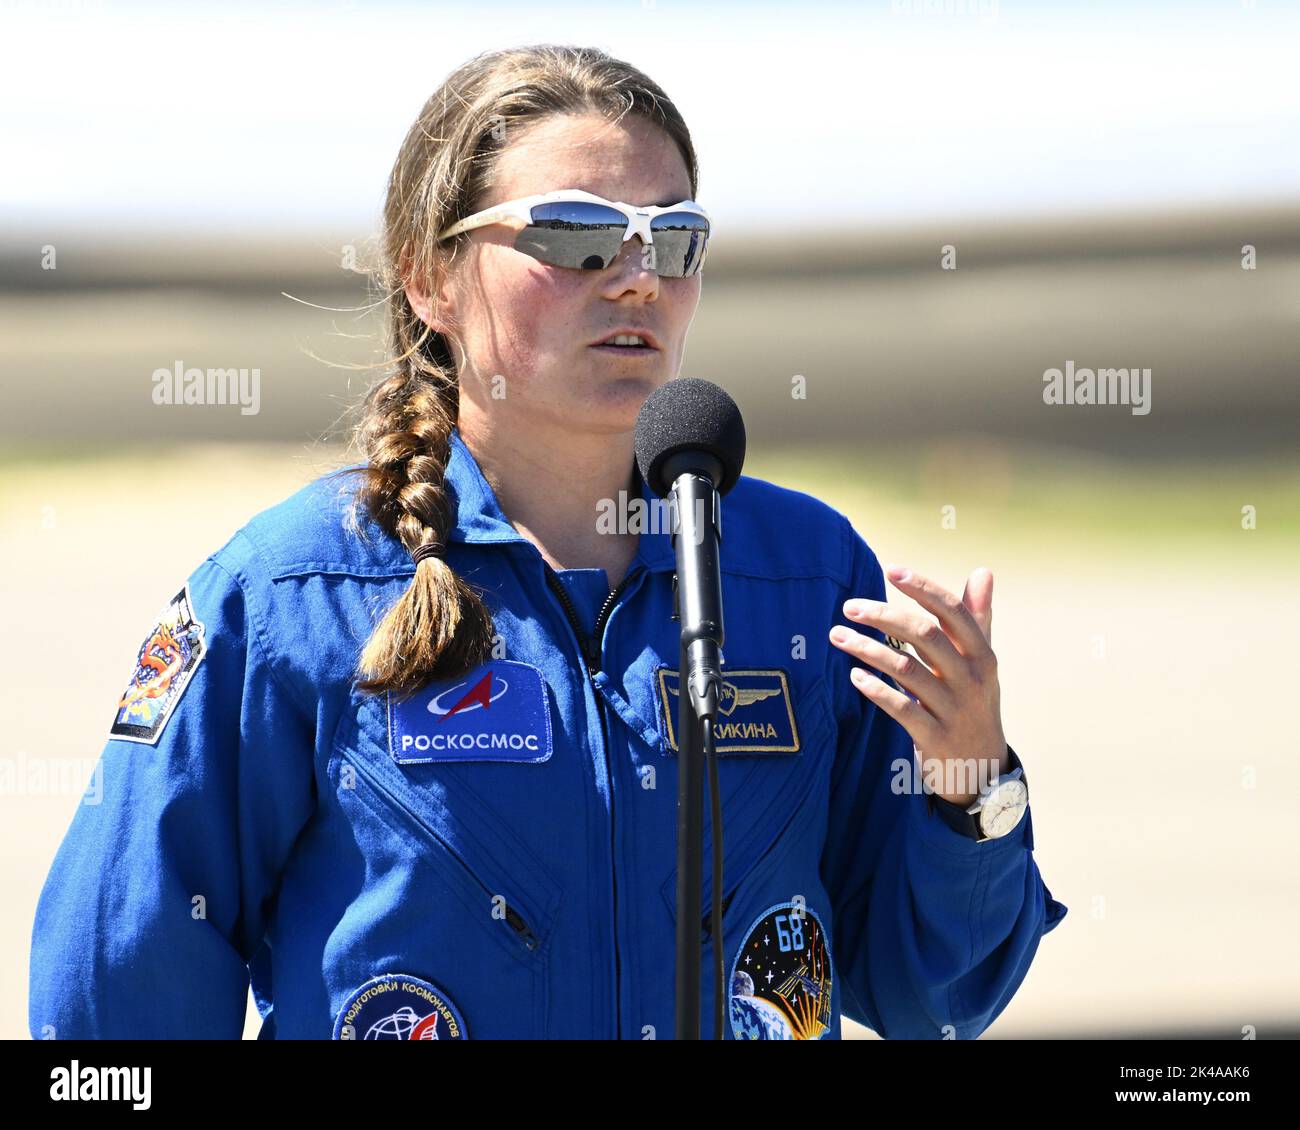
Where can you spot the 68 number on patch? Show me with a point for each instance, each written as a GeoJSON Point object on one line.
{"type": "Point", "coordinates": [782, 978]}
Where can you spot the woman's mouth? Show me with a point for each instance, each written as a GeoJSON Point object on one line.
{"type": "Point", "coordinates": [626, 345]}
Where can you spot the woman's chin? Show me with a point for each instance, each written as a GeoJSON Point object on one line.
{"type": "Point", "coordinates": [621, 391]}
{"type": "Point", "coordinates": [612, 406]}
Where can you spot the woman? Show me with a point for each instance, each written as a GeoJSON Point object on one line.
{"type": "Point", "coordinates": [413, 761]}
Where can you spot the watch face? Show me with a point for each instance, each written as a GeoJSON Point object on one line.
{"type": "Point", "coordinates": [1002, 811]}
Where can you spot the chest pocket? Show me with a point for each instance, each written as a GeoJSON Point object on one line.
{"type": "Point", "coordinates": [447, 889]}
{"type": "Point", "coordinates": [775, 750]}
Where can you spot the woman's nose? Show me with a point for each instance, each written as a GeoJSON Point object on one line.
{"type": "Point", "coordinates": [637, 258]}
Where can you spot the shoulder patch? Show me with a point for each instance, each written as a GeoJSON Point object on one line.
{"type": "Point", "coordinates": [397, 1006]}
{"type": "Point", "coordinates": [781, 979]}
{"type": "Point", "coordinates": [168, 658]}
{"type": "Point", "coordinates": [755, 712]}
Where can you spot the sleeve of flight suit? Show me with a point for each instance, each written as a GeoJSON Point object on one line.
{"type": "Point", "coordinates": [934, 932]}
{"type": "Point", "coordinates": [159, 894]}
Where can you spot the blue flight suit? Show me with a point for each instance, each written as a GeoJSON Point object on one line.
{"type": "Point", "coordinates": [379, 876]}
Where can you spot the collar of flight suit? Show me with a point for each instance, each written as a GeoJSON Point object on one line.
{"type": "Point", "coordinates": [480, 519]}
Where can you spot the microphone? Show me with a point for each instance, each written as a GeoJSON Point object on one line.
{"type": "Point", "coordinates": [690, 447]}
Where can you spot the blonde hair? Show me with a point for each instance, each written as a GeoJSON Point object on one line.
{"type": "Point", "coordinates": [439, 628]}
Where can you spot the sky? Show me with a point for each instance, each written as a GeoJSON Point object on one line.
{"type": "Point", "coordinates": [235, 116]}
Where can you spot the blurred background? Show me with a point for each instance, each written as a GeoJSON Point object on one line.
{"type": "Point", "coordinates": [920, 209]}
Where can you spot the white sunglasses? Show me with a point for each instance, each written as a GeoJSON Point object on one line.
{"type": "Point", "coordinates": [572, 228]}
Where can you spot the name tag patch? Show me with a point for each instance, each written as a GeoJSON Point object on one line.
{"type": "Point", "coordinates": [755, 714]}
{"type": "Point", "coordinates": [500, 711]}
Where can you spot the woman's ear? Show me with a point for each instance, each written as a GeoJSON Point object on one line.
{"type": "Point", "coordinates": [431, 303]}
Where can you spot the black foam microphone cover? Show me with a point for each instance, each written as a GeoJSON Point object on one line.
{"type": "Point", "coordinates": [687, 415]}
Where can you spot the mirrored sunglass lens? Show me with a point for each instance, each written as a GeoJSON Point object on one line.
{"type": "Point", "coordinates": [573, 234]}
{"type": "Point", "coordinates": [680, 241]}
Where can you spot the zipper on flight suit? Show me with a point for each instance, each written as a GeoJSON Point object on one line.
{"type": "Point", "coordinates": [513, 918]}
{"type": "Point", "coordinates": [706, 923]}
{"type": "Point", "coordinates": [590, 649]}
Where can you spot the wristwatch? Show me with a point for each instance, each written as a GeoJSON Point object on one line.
{"type": "Point", "coordinates": [996, 811]}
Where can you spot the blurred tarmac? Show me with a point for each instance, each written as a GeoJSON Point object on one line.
{"type": "Point", "coordinates": [868, 318]}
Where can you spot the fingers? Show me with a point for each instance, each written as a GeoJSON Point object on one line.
{"type": "Point", "coordinates": [920, 724]}
{"type": "Point", "coordinates": [978, 597]}
{"type": "Point", "coordinates": [906, 670]}
{"type": "Point", "coordinates": [921, 632]}
{"type": "Point", "coordinates": [952, 613]}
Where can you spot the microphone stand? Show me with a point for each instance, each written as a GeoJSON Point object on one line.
{"type": "Point", "coordinates": [697, 600]}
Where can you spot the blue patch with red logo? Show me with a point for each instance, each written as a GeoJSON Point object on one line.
{"type": "Point", "coordinates": [500, 711]}
{"type": "Point", "coordinates": [398, 1006]}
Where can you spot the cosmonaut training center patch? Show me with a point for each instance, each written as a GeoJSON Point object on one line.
{"type": "Point", "coordinates": [397, 1006]}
